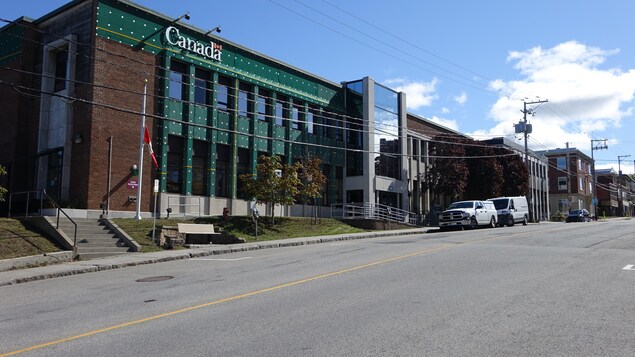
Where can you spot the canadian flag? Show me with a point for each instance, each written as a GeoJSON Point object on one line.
{"type": "Point", "coordinates": [147, 141]}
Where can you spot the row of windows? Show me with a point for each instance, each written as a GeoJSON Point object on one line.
{"type": "Point", "coordinates": [582, 166]}
{"type": "Point", "coordinates": [582, 184]}
{"type": "Point", "coordinates": [416, 148]}
{"type": "Point", "coordinates": [252, 102]}
{"type": "Point", "coordinates": [200, 170]}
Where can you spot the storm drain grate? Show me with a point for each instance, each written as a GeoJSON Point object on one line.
{"type": "Point", "coordinates": [154, 279]}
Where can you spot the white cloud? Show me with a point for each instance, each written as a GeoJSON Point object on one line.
{"type": "Point", "coordinates": [445, 110]}
{"type": "Point", "coordinates": [448, 123]}
{"type": "Point", "coordinates": [583, 97]}
{"type": "Point", "coordinates": [461, 99]}
{"type": "Point", "coordinates": [418, 94]}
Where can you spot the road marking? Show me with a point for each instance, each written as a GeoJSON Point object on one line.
{"type": "Point", "coordinates": [258, 292]}
{"type": "Point", "coordinates": [222, 259]}
{"type": "Point", "coordinates": [629, 267]}
{"type": "Point", "coordinates": [228, 299]}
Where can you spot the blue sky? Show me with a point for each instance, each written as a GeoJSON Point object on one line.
{"type": "Point", "coordinates": [465, 64]}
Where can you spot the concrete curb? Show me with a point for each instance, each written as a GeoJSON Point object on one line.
{"type": "Point", "coordinates": [36, 260]}
{"type": "Point", "coordinates": [196, 251]}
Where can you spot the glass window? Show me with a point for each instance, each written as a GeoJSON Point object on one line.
{"type": "Point", "coordinates": [178, 81]}
{"type": "Point", "coordinates": [201, 87]}
{"type": "Point", "coordinates": [326, 171]}
{"type": "Point", "coordinates": [243, 167]}
{"type": "Point", "coordinates": [562, 183]}
{"type": "Point", "coordinates": [339, 132]}
{"type": "Point", "coordinates": [310, 117]}
{"type": "Point", "coordinates": [222, 172]}
{"type": "Point", "coordinates": [562, 163]}
{"type": "Point", "coordinates": [339, 184]}
{"type": "Point", "coordinates": [295, 117]}
{"type": "Point", "coordinates": [244, 94]}
{"type": "Point", "coordinates": [222, 94]}
{"type": "Point", "coordinates": [422, 153]}
{"type": "Point", "coordinates": [581, 184]}
{"type": "Point", "coordinates": [262, 105]}
{"type": "Point", "coordinates": [199, 168]}
{"type": "Point", "coordinates": [281, 110]}
{"type": "Point", "coordinates": [387, 144]}
{"type": "Point", "coordinates": [415, 148]}
{"type": "Point", "coordinates": [326, 123]}
{"type": "Point", "coordinates": [61, 63]}
{"type": "Point", "coordinates": [175, 163]}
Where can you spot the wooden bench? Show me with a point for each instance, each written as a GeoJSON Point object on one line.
{"type": "Point", "coordinates": [196, 233]}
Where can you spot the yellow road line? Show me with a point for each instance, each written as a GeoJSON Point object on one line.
{"type": "Point", "coordinates": [253, 293]}
{"type": "Point", "coordinates": [216, 302]}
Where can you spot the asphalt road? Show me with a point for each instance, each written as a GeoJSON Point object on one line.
{"type": "Point", "coordinates": [539, 290]}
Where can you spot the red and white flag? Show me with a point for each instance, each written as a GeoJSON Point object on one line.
{"type": "Point", "coordinates": [147, 141]}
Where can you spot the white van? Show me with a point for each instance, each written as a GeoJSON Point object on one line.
{"type": "Point", "coordinates": [511, 210]}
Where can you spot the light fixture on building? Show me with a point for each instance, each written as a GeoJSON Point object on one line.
{"type": "Point", "coordinates": [77, 139]}
{"type": "Point", "coordinates": [215, 29]}
{"type": "Point", "coordinates": [134, 170]}
{"type": "Point", "coordinates": [184, 16]}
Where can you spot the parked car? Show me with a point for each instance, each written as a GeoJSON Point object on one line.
{"type": "Point", "coordinates": [578, 215]}
{"type": "Point", "coordinates": [469, 214]}
{"type": "Point", "coordinates": [511, 210]}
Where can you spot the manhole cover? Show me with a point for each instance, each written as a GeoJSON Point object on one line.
{"type": "Point", "coordinates": [153, 279]}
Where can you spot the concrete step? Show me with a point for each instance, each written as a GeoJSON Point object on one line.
{"type": "Point", "coordinates": [96, 255]}
{"type": "Point", "coordinates": [94, 240]}
{"type": "Point", "coordinates": [111, 242]}
{"type": "Point", "coordinates": [96, 249]}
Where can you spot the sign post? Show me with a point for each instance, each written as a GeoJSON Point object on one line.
{"type": "Point", "coordinates": [154, 222]}
{"type": "Point", "coordinates": [255, 215]}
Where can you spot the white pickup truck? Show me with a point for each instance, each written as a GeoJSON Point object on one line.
{"type": "Point", "coordinates": [469, 214]}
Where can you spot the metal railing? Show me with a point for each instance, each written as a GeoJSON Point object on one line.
{"type": "Point", "coordinates": [42, 197]}
{"type": "Point", "coordinates": [373, 211]}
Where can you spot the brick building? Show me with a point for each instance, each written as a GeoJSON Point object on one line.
{"type": "Point", "coordinates": [570, 180]}
{"type": "Point", "coordinates": [77, 83]}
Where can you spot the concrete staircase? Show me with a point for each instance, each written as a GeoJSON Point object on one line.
{"type": "Point", "coordinates": [94, 239]}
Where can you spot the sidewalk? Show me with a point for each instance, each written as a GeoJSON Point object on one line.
{"type": "Point", "coordinates": [132, 259]}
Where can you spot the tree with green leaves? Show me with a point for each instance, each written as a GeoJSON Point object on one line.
{"type": "Point", "coordinates": [449, 172]}
{"type": "Point", "coordinates": [3, 190]}
{"type": "Point", "coordinates": [485, 178]}
{"type": "Point", "coordinates": [273, 184]}
{"type": "Point", "coordinates": [312, 181]}
{"type": "Point", "coordinates": [516, 176]}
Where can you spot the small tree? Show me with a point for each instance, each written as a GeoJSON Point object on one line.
{"type": "Point", "coordinates": [273, 184]}
{"type": "Point", "coordinates": [485, 177]}
{"type": "Point", "coordinates": [313, 182]}
{"type": "Point", "coordinates": [449, 171]}
{"type": "Point", "coordinates": [516, 176]}
{"type": "Point", "coordinates": [3, 190]}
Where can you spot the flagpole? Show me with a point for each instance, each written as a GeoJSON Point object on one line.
{"type": "Point", "coordinates": [141, 144]}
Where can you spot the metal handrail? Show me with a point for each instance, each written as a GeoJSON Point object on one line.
{"type": "Point", "coordinates": [373, 211]}
{"type": "Point", "coordinates": [42, 194]}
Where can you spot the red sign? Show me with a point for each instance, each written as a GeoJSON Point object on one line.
{"type": "Point", "coordinates": [133, 184]}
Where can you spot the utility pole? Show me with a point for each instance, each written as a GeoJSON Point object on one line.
{"type": "Point", "coordinates": [619, 166]}
{"type": "Point", "coordinates": [526, 129]}
{"type": "Point", "coordinates": [620, 186]}
{"type": "Point", "coordinates": [600, 146]}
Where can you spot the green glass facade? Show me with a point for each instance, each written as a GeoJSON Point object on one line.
{"type": "Point", "coordinates": [223, 111]}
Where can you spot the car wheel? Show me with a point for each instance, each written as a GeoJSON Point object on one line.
{"type": "Point", "coordinates": [525, 221]}
{"type": "Point", "coordinates": [510, 221]}
{"type": "Point", "coordinates": [492, 222]}
{"type": "Point", "coordinates": [473, 223]}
